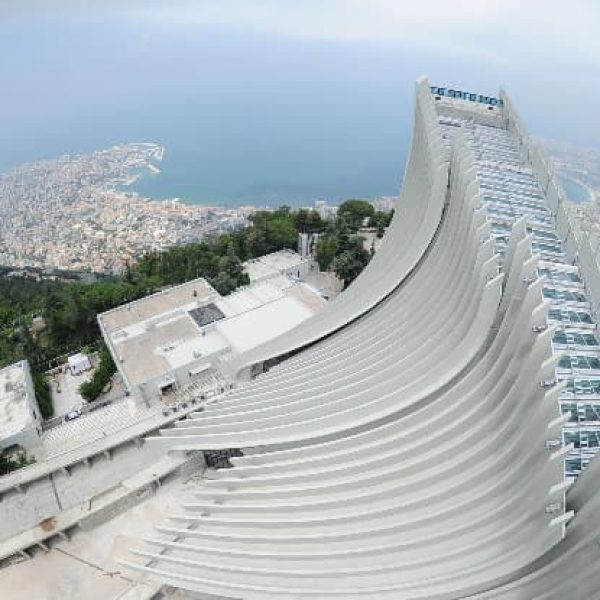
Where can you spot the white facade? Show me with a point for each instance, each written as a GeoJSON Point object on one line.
{"type": "Point", "coordinates": [303, 245]}
{"type": "Point", "coordinates": [408, 445]}
{"type": "Point", "coordinates": [20, 418]}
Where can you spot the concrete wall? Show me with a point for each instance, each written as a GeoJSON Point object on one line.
{"type": "Point", "coordinates": [426, 467]}
{"type": "Point", "coordinates": [23, 510]}
{"type": "Point", "coordinates": [103, 473]}
{"type": "Point", "coordinates": [29, 437]}
{"type": "Point", "coordinates": [46, 497]}
{"type": "Point", "coordinates": [110, 511]}
{"type": "Point", "coordinates": [181, 375]}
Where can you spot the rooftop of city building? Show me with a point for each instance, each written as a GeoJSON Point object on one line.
{"type": "Point", "coordinates": [16, 400]}
{"type": "Point", "coordinates": [186, 324]}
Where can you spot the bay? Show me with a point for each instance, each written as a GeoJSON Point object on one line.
{"type": "Point", "coordinates": [575, 192]}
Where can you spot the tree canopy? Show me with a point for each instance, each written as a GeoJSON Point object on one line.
{"type": "Point", "coordinates": [353, 213]}
{"type": "Point", "coordinates": [326, 250]}
{"type": "Point", "coordinates": [351, 258]}
{"type": "Point", "coordinates": [231, 273]}
{"type": "Point", "coordinates": [12, 463]}
{"type": "Point", "coordinates": [90, 390]}
{"type": "Point", "coordinates": [381, 220]}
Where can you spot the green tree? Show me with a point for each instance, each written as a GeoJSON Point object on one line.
{"type": "Point", "coordinates": [42, 394]}
{"type": "Point", "coordinates": [327, 245]}
{"type": "Point", "coordinates": [308, 221]}
{"type": "Point", "coordinates": [271, 231]}
{"type": "Point", "coordinates": [90, 390]}
{"type": "Point", "coordinates": [281, 233]}
{"type": "Point", "coordinates": [349, 263]}
{"type": "Point", "coordinates": [8, 464]}
{"type": "Point", "coordinates": [231, 273]}
{"type": "Point", "coordinates": [231, 264]}
{"type": "Point", "coordinates": [354, 212]}
{"type": "Point", "coordinates": [223, 283]}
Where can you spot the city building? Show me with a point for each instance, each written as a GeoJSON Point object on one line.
{"type": "Point", "coordinates": [78, 214]}
{"type": "Point", "coordinates": [307, 244]}
{"type": "Point", "coordinates": [326, 211]}
{"type": "Point", "coordinates": [163, 342]}
{"type": "Point", "coordinates": [407, 441]}
{"type": "Point", "coordinates": [20, 418]}
{"type": "Point", "coordinates": [385, 203]}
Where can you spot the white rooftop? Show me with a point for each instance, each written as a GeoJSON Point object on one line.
{"type": "Point", "coordinates": [79, 360]}
{"type": "Point", "coordinates": [249, 329]}
{"type": "Point", "coordinates": [152, 337]}
{"type": "Point", "coordinates": [161, 303]}
{"type": "Point", "coordinates": [16, 402]}
{"type": "Point", "coordinates": [273, 264]}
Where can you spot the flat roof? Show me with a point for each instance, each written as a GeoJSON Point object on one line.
{"type": "Point", "coordinates": [249, 329]}
{"type": "Point", "coordinates": [272, 264]}
{"type": "Point", "coordinates": [157, 304]}
{"type": "Point", "coordinates": [15, 401]}
{"type": "Point", "coordinates": [190, 323]}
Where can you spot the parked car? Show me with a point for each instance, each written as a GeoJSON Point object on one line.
{"type": "Point", "coordinates": [71, 416]}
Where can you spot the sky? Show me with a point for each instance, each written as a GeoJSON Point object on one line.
{"type": "Point", "coordinates": [266, 88]}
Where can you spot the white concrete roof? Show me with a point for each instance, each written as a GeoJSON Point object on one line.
{"type": "Point", "coordinates": [271, 264]}
{"type": "Point", "coordinates": [156, 335]}
{"type": "Point", "coordinates": [254, 295]}
{"type": "Point", "coordinates": [15, 401]}
{"type": "Point", "coordinates": [161, 303]}
{"type": "Point", "coordinates": [79, 359]}
{"type": "Point", "coordinates": [247, 330]}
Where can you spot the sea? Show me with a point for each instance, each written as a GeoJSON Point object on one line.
{"type": "Point", "coordinates": [575, 192]}
{"type": "Point", "coordinates": [245, 117]}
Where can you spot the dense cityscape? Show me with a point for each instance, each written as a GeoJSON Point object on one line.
{"type": "Point", "coordinates": [75, 213]}
{"type": "Point", "coordinates": [78, 212]}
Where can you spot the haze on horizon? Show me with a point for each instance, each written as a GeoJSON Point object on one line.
{"type": "Point", "coordinates": [272, 97]}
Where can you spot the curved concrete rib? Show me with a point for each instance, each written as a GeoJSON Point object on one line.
{"type": "Point", "coordinates": [413, 453]}
{"type": "Point", "coordinates": [342, 499]}
{"type": "Point", "coordinates": [328, 528]}
{"type": "Point", "coordinates": [328, 394]}
{"type": "Point", "coordinates": [406, 241]}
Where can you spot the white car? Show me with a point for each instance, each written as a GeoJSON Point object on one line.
{"type": "Point", "coordinates": [74, 414]}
